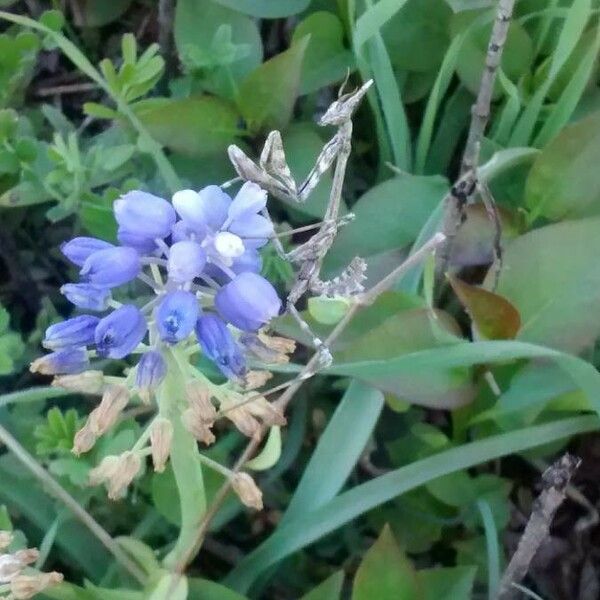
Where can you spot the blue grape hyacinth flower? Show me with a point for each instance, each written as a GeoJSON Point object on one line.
{"type": "Point", "coordinates": [191, 270]}
{"type": "Point", "coordinates": [199, 254]}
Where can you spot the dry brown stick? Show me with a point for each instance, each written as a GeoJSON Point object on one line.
{"type": "Point", "coordinates": [308, 371]}
{"type": "Point", "coordinates": [555, 481]}
{"type": "Point", "coordinates": [480, 113]}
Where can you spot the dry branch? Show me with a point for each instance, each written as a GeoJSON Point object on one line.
{"type": "Point", "coordinates": [555, 481]}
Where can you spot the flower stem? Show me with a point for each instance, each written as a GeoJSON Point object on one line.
{"type": "Point", "coordinates": [185, 461]}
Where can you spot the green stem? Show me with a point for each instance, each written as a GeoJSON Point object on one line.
{"type": "Point", "coordinates": [54, 488]}
{"type": "Point", "coordinates": [34, 394]}
{"type": "Point", "coordinates": [185, 462]}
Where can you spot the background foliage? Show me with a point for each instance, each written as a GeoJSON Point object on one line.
{"type": "Point", "coordinates": [389, 483]}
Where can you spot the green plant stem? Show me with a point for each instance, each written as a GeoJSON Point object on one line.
{"type": "Point", "coordinates": [55, 489]}
{"type": "Point", "coordinates": [34, 394]}
{"type": "Point", "coordinates": [77, 57]}
{"type": "Point", "coordinates": [185, 462]}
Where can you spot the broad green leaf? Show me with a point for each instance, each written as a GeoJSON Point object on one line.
{"type": "Point", "coordinates": [270, 453]}
{"type": "Point", "coordinates": [402, 335]}
{"type": "Point", "coordinates": [203, 589]}
{"type": "Point", "coordinates": [386, 306]}
{"type": "Point", "coordinates": [326, 59]}
{"type": "Point", "coordinates": [386, 573]}
{"type": "Point", "coordinates": [196, 126]}
{"type": "Point", "coordinates": [267, 9]}
{"type": "Point", "coordinates": [385, 373]}
{"type": "Point", "coordinates": [530, 390]}
{"type": "Point", "coordinates": [447, 583]}
{"type": "Point", "coordinates": [197, 23]}
{"type": "Point", "coordinates": [551, 276]}
{"type": "Point", "coordinates": [564, 182]}
{"type": "Point", "coordinates": [493, 316]}
{"type": "Point", "coordinates": [421, 24]}
{"type": "Point", "coordinates": [313, 525]}
{"type": "Point", "coordinates": [330, 589]}
{"type": "Point", "coordinates": [389, 216]}
{"type": "Point", "coordinates": [267, 96]}
{"type": "Point", "coordinates": [96, 13]}
{"type": "Point", "coordinates": [337, 452]}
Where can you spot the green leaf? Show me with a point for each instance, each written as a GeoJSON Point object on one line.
{"type": "Point", "coordinates": [440, 87]}
{"type": "Point", "coordinates": [93, 109]}
{"type": "Point", "coordinates": [421, 24]}
{"type": "Point", "coordinates": [373, 19]}
{"type": "Point", "coordinates": [447, 583]}
{"type": "Point", "coordinates": [270, 453]}
{"type": "Point", "coordinates": [577, 17]}
{"type": "Point", "coordinates": [196, 126]}
{"type": "Point", "coordinates": [385, 373]}
{"type": "Point", "coordinates": [330, 589]}
{"type": "Point", "coordinates": [163, 486]}
{"type": "Point", "coordinates": [326, 59]}
{"type": "Point", "coordinates": [551, 276]}
{"type": "Point", "coordinates": [400, 336]}
{"type": "Point", "coordinates": [142, 554]}
{"type": "Point", "coordinates": [97, 13]}
{"type": "Point", "coordinates": [389, 216]}
{"type": "Point", "coordinates": [23, 495]}
{"type": "Point", "coordinates": [196, 27]}
{"type": "Point", "coordinates": [337, 452]}
{"type": "Point", "coordinates": [312, 525]}
{"type": "Point", "coordinates": [386, 573]}
{"type": "Point", "coordinates": [170, 587]}
{"type": "Point", "coordinates": [493, 316]}
{"type": "Point", "coordinates": [393, 131]}
{"type": "Point", "coordinates": [203, 589]}
{"type": "Point", "coordinates": [566, 104]}
{"type": "Point", "coordinates": [328, 311]}
{"type": "Point", "coordinates": [564, 182]}
{"type": "Point", "coordinates": [267, 9]}
{"type": "Point", "coordinates": [267, 96]}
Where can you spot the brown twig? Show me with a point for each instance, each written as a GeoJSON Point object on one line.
{"type": "Point", "coordinates": [73, 88]}
{"type": "Point", "coordinates": [480, 113]}
{"type": "Point", "coordinates": [555, 481]}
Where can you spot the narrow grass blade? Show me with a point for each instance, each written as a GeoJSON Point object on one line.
{"type": "Point", "coordinates": [311, 526]}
